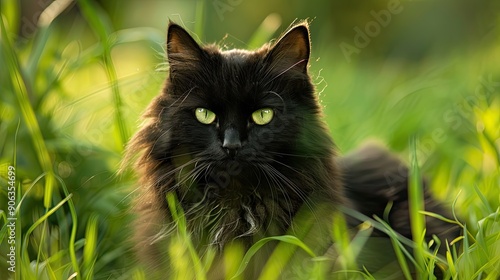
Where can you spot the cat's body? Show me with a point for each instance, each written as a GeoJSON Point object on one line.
{"type": "Point", "coordinates": [238, 137]}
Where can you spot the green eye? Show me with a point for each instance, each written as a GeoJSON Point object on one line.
{"type": "Point", "coordinates": [204, 116]}
{"type": "Point", "coordinates": [263, 116]}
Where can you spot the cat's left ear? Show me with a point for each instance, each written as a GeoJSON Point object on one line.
{"type": "Point", "coordinates": [292, 50]}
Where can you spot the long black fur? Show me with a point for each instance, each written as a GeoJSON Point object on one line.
{"type": "Point", "coordinates": [256, 189]}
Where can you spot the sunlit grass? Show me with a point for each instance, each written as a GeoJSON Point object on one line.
{"type": "Point", "coordinates": [73, 211]}
{"type": "Point", "coordinates": [417, 221]}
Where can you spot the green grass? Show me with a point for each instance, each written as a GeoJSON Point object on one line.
{"type": "Point", "coordinates": [69, 102]}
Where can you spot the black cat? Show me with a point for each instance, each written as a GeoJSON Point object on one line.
{"type": "Point", "coordinates": [238, 137]}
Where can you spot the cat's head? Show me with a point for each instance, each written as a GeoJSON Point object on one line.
{"type": "Point", "coordinates": [238, 105]}
{"type": "Point", "coordinates": [234, 112]}
{"type": "Point", "coordinates": [235, 126]}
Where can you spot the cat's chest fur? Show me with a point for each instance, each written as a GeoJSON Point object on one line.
{"type": "Point", "coordinates": [232, 199]}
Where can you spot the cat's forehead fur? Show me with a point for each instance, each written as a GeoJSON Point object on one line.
{"type": "Point", "coordinates": [241, 78]}
{"type": "Point", "coordinates": [237, 55]}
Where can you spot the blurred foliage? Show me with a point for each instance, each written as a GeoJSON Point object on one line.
{"type": "Point", "coordinates": [75, 79]}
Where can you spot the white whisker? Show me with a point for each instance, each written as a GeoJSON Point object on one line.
{"type": "Point", "coordinates": [286, 70]}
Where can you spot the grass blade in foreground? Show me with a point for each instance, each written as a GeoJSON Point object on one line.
{"type": "Point", "coordinates": [255, 247]}
{"type": "Point", "coordinates": [416, 205]}
{"type": "Point", "coordinates": [178, 216]}
{"type": "Point", "coordinates": [101, 25]}
{"type": "Point", "coordinates": [19, 84]}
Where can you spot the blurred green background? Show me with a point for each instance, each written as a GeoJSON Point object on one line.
{"type": "Point", "coordinates": [75, 77]}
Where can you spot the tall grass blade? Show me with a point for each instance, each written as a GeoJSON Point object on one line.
{"type": "Point", "coordinates": [399, 249]}
{"type": "Point", "coordinates": [10, 11]}
{"type": "Point", "coordinates": [101, 25]}
{"type": "Point", "coordinates": [18, 199]}
{"type": "Point", "coordinates": [483, 199]}
{"type": "Point", "coordinates": [416, 205]}
{"type": "Point", "coordinates": [341, 239]}
{"type": "Point", "coordinates": [257, 245]}
{"type": "Point", "coordinates": [451, 264]}
{"type": "Point", "coordinates": [89, 251]}
{"type": "Point", "coordinates": [139, 274]}
{"type": "Point", "coordinates": [74, 226]}
{"type": "Point", "coordinates": [301, 228]}
{"type": "Point", "coordinates": [180, 220]}
{"type": "Point", "coordinates": [492, 142]}
{"type": "Point", "coordinates": [38, 222]}
{"type": "Point", "coordinates": [233, 256]}
{"type": "Point", "coordinates": [20, 85]}
{"type": "Point", "coordinates": [39, 44]}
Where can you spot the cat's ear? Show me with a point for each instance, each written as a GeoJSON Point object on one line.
{"type": "Point", "coordinates": [182, 49]}
{"type": "Point", "coordinates": [292, 50]}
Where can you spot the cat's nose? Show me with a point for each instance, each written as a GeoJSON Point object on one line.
{"type": "Point", "coordinates": [232, 142]}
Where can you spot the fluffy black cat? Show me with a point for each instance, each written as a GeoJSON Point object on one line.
{"type": "Point", "coordinates": [238, 137]}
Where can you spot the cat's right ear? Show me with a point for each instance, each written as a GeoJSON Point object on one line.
{"type": "Point", "coordinates": [292, 50]}
{"type": "Point", "coordinates": [182, 49]}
